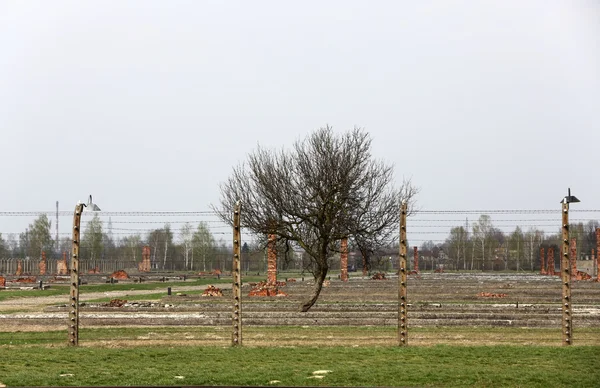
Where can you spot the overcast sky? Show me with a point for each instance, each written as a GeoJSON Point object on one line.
{"type": "Point", "coordinates": [148, 105]}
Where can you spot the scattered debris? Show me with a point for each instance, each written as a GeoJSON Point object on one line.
{"type": "Point", "coordinates": [378, 276]}
{"type": "Point", "coordinates": [439, 270]}
{"type": "Point", "coordinates": [66, 375]}
{"type": "Point", "coordinates": [120, 274]}
{"type": "Point", "coordinates": [292, 280]}
{"type": "Point", "coordinates": [491, 295]}
{"type": "Point", "coordinates": [95, 270]}
{"type": "Point", "coordinates": [580, 275]}
{"type": "Point", "coordinates": [116, 303]}
{"type": "Point", "coordinates": [321, 372]}
{"type": "Point", "coordinates": [179, 377]}
{"type": "Point", "coordinates": [268, 289]}
{"type": "Point", "coordinates": [2, 281]}
{"type": "Point", "coordinates": [212, 291]}
{"type": "Point", "coordinates": [30, 279]}
{"type": "Point", "coordinates": [274, 382]}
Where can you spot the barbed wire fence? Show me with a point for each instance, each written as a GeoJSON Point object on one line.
{"type": "Point", "coordinates": [455, 269]}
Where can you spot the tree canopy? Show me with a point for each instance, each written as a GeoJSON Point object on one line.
{"type": "Point", "coordinates": [326, 187]}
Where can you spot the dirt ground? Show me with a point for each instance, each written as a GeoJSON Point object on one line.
{"type": "Point", "coordinates": [443, 308]}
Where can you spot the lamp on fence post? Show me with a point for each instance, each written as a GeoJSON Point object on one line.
{"type": "Point", "coordinates": [74, 270]}
{"type": "Point", "coordinates": [565, 273]}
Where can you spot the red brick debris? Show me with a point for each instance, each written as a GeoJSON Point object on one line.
{"type": "Point", "coordinates": [95, 270]}
{"type": "Point", "coordinates": [378, 276]}
{"type": "Point", "coordinates": [439, 270]}
{"type": "Point", "coordinates": [30, 279]}
{"type": "Point", "coordinates": [2, 281]}
{"type": "Point", "coordinates": [267, 289]}
{"type": "Point", "coordinates": [116, 303]}
{"type": "Point", "coordinates": [292, 280]}
{"type": "Point", "coordinates": [491, 295]}
{"type": "Point", "coordinates": [43, 264]}
{"type": "Point", "coordinates": [120, 274]}
{"type": "Point", "coordinates": [344, 259]}
{"type": "Point", "coordinates": [542, 264]}
{"type": "Point", "coordinates": [144, 265]}
{"type": "Point", "coordinates": [272, 259]}
{"type": "Point", "coordinates": [212, 291]}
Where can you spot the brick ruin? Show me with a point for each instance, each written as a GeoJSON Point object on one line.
{"type": "Point", "coordinates": [271, 286]}
{"type": "Point", "coordinates": [144, 265]}
{"type": "Point", "coordinates": [43, 264]}
{"type": "Point", "coordinates": [62, 268]}
{"type": "Point", "coordinates": [19, 271]}
{"type": "Point", "coordinates": [550, 261]}
{"type": "Point", "coordinates": [542, 264]}
{"type": "Point", "coordinates": [272, 259]}
{"type": "Point", "coordinates": [344, 259]}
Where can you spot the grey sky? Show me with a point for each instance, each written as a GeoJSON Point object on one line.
{"type": "Point", "coordinates": [148, 105]}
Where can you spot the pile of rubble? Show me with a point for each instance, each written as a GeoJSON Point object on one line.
{"type": "Point", "coordinates": [267, 289]}
{"type": "Point", "coordinates": [120, 274]}
{"type": "Point", "coordinates": [30, 279]}
{"type": "Point", "coordinates": [491, 295]}
{"type": "Point", "coordinates": [212, 291]}
{"type": "Point", "coordinates": [378, 276]}
{"type": "Point", "coordinates": [116, 303]}
{"type": "Point", "coordinates": [95, 270]}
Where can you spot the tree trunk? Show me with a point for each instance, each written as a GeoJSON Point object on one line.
{"type": "Point", "coordinates": [319, 279]}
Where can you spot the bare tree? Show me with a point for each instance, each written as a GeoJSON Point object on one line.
{"type": "Point", "coordinates": [327, 187]}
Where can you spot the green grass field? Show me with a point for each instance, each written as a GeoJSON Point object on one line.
{"type": "Point", "coordinates": [447, 366]}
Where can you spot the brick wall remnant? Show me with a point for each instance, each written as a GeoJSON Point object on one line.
{"type": "Point", "coordinates": [19, 268]}
{"type": "Point", "coordinates": [144, 265]}
{"type": "Point", "coordinates": [542, 264]}
{"type": "Point", "coordinates": [2, 282]}
{"type": "Point", "coordinates": [344, 259]}
{"type": "Point", "coordinates": [62, 268]}
{"type": "Point", "coordinates": [43, 264]}
{"type": "Point", "coordinates": [272, 259]}
{"type": "Point", "coordinates": [550, 261]}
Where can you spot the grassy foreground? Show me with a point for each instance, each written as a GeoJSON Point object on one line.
{"type": "Point", "coordinates": [481, 366]}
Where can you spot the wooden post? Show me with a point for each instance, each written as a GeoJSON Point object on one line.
{"type": "Point", "coordinates": [567, 317]}
{"type": "Point", "coordinates": [74, 269]}
{"type": "Point", "coordinates": [573, 258]}
{"type": "Point", "coordinates": [236, 316]}
{"type": "Point", "coordinates": [402, 271]}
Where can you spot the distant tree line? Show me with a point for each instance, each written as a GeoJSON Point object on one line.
{"type": "Point", "coordinates": [485, 247]}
